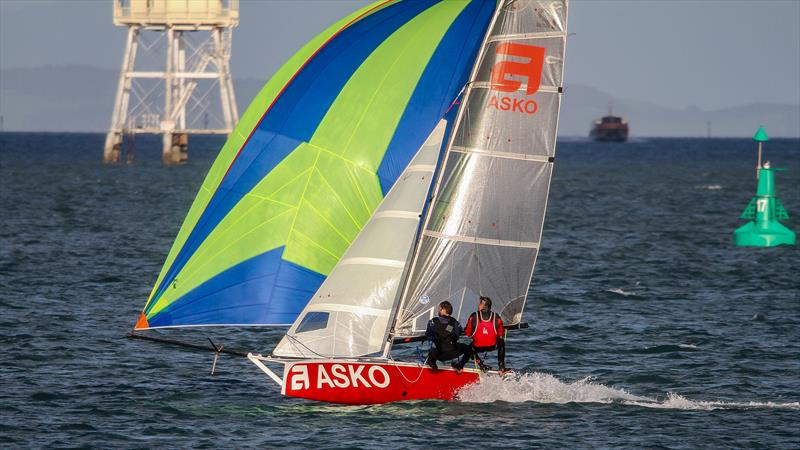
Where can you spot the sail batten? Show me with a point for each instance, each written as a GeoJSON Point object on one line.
{"type": "Point", "coordinates": [385, 262]}
{"type": "Point", "coordinates": [522, 36]}
{"type": "Point", "coordinates": [501, 154]}
{"type": "Point", "coordinates": [479, 240]}
{"type": "Point", "coordinates": [522, 87]}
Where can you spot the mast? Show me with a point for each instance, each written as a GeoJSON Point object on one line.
{"type": "Point", "coordinates": [438, 173]}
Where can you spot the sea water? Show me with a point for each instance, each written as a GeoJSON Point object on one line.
{"type": "Point", "coordinates": [648, 328]}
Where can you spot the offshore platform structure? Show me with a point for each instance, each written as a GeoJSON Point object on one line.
{"type": "Point", "coordinates": [175, 74]}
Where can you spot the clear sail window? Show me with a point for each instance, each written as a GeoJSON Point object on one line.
{"type": "Point", "coordinates": [313, 321]}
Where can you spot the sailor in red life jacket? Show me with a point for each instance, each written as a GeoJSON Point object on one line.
{"type": "Point", "coordinates": [486, 330]}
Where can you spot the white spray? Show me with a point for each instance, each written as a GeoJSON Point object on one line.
{"type": "Point", "coordinates": [546, 388]}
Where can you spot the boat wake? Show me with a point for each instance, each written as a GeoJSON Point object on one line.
{"type": "Point", "coordinates": [546, 388]}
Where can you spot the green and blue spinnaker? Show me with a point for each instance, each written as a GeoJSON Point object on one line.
{"type": "Point", "coordinates": [311, 158]}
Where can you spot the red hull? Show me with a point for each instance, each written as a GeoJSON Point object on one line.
{"type": "Point", "coordinates": [365, 383]}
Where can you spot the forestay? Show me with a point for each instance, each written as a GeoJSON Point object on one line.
{"type": "Point", "coordinates": [483, 232]}
{"type": "Point", "coordinates": [349, 314]}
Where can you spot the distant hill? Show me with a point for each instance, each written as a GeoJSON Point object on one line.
{"type": "Point", "coordinates": [582, 104]}
{"type": "Point", "coordinates": [80, 98]}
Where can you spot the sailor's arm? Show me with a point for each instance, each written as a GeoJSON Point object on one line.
{"type": "Point", "coordinates": [457, 331]}
{"type": "Point", "coordinates": [501, 343]}
{"type": "Point", "coordinates": [429, 334]}
{"type": "Point", "coordinates": [470, 325]}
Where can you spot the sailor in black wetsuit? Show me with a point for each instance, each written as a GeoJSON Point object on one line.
{"type": "Point", "coordinates": [444, 331]}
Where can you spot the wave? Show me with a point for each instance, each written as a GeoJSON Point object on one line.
{"type": "Point", "coordinates": [545, 388]}
{"type": "Point", "coordinates": [666, 348]}
{"type": "Point", "coordinates": [676, 401]}
{"type": "Point", "coordinates": [622, 292]}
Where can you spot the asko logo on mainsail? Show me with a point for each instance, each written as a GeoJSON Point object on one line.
{"type": "Point", "coordinates": [398, 157]}
{"type": "Point", "coordinates": [510, 76]}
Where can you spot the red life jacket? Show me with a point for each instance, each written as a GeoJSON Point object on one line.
{"type": "Point", "coordinates": [485, 334]}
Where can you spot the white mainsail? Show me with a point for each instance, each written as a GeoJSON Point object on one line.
{"type": "Point", "coordinates": [350, 313]}
{"type": "Point", "coordinates": [482, 234]}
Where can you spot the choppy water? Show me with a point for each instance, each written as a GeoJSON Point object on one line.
{"type": "Point", "coordinates": [648, 328]}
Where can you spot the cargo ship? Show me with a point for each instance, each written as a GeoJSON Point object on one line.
{"type": "Point", "coordinates": [609, 128]}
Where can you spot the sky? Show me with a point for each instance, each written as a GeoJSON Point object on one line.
{"type": "Point", "coordinates": [709, 54]}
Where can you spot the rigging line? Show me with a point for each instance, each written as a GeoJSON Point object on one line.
{"type": "Point", "coordinates": [163, 340]}
{"type": "Point", "coordinates": [296, 342]}
{"type": "Point", "coordinates": [419, 375]}
{"type": "Point", "coordinates": [293, 343]}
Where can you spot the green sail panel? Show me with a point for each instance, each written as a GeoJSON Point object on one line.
{"type": "Point", "coordinates": [312, 157]}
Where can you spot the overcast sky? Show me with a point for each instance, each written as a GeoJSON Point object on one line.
{"type": "Point", "coordinates": [678, 53]}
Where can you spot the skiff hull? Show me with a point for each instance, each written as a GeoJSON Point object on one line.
{"type": "Point", "coordinates": [355, 382]}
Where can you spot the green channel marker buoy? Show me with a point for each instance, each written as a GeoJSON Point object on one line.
{"type": "Point", "coordinates": [765, 210]}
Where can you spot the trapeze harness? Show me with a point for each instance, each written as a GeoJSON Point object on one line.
{"type": "Point", "coordinates": [485, 333]}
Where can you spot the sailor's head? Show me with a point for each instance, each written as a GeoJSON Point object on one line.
{"type": "Point", "coordinates": [484, 304]}
{"type": "Point", "coordinates": [445, 309]}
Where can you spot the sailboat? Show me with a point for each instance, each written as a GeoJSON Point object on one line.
{"type": "Point", "coordinates": [401, 158]}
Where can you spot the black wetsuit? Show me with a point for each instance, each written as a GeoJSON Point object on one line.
{"type": "Point", "coordinates": [444, 331]}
